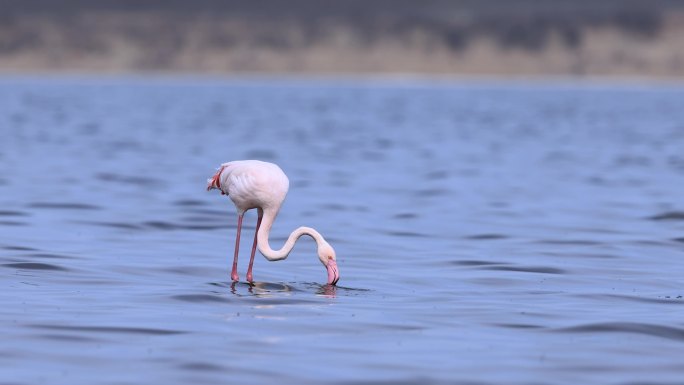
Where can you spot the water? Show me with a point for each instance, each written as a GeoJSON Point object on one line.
{"type": "Point", "coordinates": [485, 232]}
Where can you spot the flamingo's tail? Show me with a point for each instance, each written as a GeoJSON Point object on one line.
{"type": "Point", "coordinates": [215, 181]}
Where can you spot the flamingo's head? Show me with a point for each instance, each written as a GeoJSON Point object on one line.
{"type": "Point", "coordinates": [327, 256]}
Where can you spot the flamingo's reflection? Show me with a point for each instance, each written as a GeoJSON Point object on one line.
{"type": "Point", "coordinates": [329, 291]}
{"type": "Point", "coordinates": [270, 289]}
{"type": "Point", "coordinates": [260, 289]}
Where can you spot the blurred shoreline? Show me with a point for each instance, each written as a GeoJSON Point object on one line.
{"type": "Point", "coordinates": [614, 39]}
{"type": "Point", "coordinates": [172, 78]}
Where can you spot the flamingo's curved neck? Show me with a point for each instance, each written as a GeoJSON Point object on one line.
{"type": "Point", "coordinates": [283, 252]}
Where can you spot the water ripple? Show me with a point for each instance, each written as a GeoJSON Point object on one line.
{"type": "Point", "coordinates": [570, 242]}
{"type": "Point", "coordinates": [19, 248]}
{"type": "Point", "coordinates": [111, 329]}
{"type": "Point", "coordinates": [409, 381]}
{"type": "Point", "coordinates": [117, 225]}
{"type": "Point", "coordinates": [502, 266]}
{"type": "Point", "coordinates": [406, 216]}
{"type": "Point", "coordinates": [527, 269]}
{"type": "Point", "coordinates": [34, 266]}
{"type": "Point", "coordinates": [669, 332]}
{"type": "Point", "coordinates": [162, 225]}
{"type": "Point", "coordinates": [472, 262]}
{"type": "Point", "coordinates": [209, 212]}
{"type": "Point", "coordinates": [49, 256]}
{"type": "Point", "coordinates": [189, 203]}
{"type": "Point", "coordinates": [202, 367]}
{"type": "Point", "coordinates": [668, 216]}
{"type": "Point", "coordinates": [68, 338]}
{"type": "Point", "coordinates": [519, 326]}
{"type": "Point", "coordinates": [201, 219]}
{"type": "Point", "coordinates": [406, 234]}
{"type": "Point", "coordinates": [12, 213]}
{"type": "Point", "coordinates": [583, 255]}
{"type": "Point", "coordinates": [13, 223]}
{"type": "Point", "coordinates": [432, 192]}
{"type": "Point", "coordinates": [144, 181]}
{"type": "Point", "coordinates": [436, 175]}
{"type": "Point", "coordinates": [485, 237]}
{"type": "Point", "coordinates": [64, 206]}
{"type": "Point", "coordinates": [632, 298]}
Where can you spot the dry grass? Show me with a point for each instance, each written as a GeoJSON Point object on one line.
{"type": "Point", "coordinates": [543, 41]}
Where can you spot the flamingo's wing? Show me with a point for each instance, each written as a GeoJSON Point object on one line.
{"type": "Point", "coordinates": [251, 184]}
{"type": "Point", "coordinates": [234, 178]}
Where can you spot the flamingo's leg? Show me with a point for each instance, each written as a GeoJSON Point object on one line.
{"type": "Point", "coordinates": [254, 247]}
{"type": "Point", "coordinates": [234, 275]}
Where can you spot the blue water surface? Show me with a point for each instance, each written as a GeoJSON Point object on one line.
{"type": "Point", "coordinates": [486, 232]}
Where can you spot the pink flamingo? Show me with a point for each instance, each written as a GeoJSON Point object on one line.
{"type": "Point", "coordinates": [253, 184]}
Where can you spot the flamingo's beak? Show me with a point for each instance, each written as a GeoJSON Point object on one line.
{"type": "Point", "coordinates": [333, 272]}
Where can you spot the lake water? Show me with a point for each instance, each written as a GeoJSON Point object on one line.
{"type": "Point", "coordinates": [486, 232]}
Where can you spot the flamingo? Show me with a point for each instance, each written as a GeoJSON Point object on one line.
{"type": "Point", "coordinates": [253, 184]}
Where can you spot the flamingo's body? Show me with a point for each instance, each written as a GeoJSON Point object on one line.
{"type": "Point", "coordinates": [253, 184]}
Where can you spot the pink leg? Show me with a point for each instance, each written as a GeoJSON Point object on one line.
{"type": "Point", "coordinates": [234, 275]}
{"type": "Point", "coordinates": [254, 247]}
